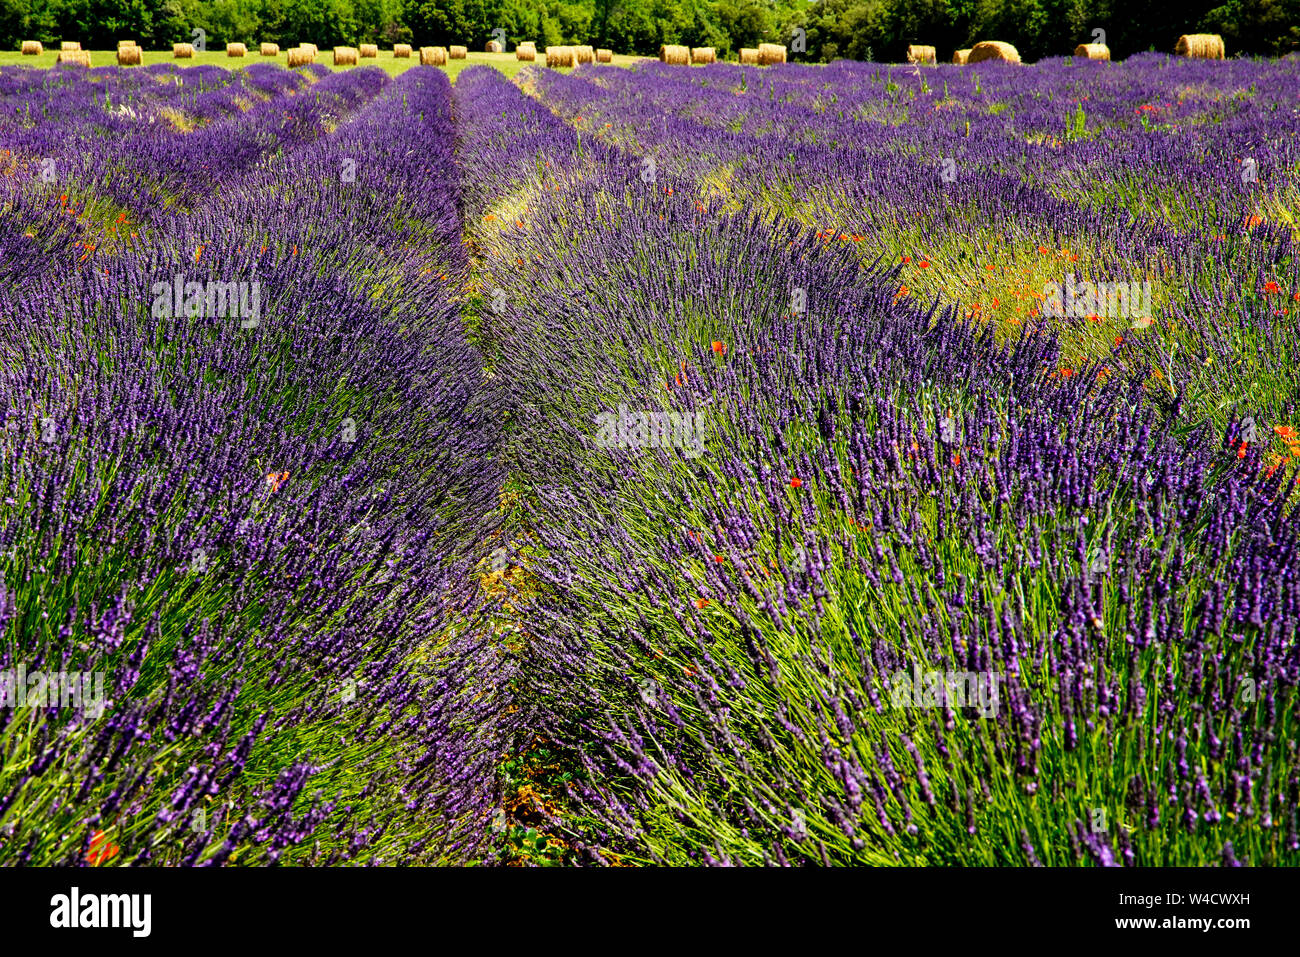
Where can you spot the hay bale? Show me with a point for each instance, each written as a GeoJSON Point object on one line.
{"type": "Point", "coordinates": [269, 49]}
{"type": "Point", "coordinates": [561, 56]}
{"type": "Point", "coordinates": [301, 56]}
{"type": "Point", "coordinates": [993, 50]}
{"type": "Point", "coordinates": [704, 55]}
{"type": "Point", "coordinates": [401, 51]}
{"type": "Point", "coordinates": [182, 51]}
{"type": "Point", "coordinates": [584, 54]}
{"type": "Point", "coordinates": [921, 54]}
{"type": "Point", "coordinates": [493, 46]}
{"type": "Point", "coordinates": [526, 51]}
{"type": "Point", "coordinates": [368, 51]}
{"type": "Point", "coordinates": [74, 58]}
{"type": "Point", "coordinates": [770, 53]}
{"type": "Point", "coordinates": [675, 55]}
{"type": "Point", "coordinates": [1092, 51]}
{"type": "Point", "coordinates": [960, 56]}
{"type": "Point", "coordinates": [126, 43]}
{"type": "Point", "coordinates": [345, 56]}
{"type": "Point", "coordinates": [604, 56]}
{"type": "Point", "coordinates": [1201, 46]}
{"type": "Point", "coordinates": [32, 48]}
{"type": "Point", "coordinates": [749, 55]}
{"type": "Point", "coordinates": [457, 53]}
{"type": "Point", "coordinates": [433, 56]}
{"type": "Point", "coordinates": [236, 50]}
{"type": "Point", "coordinates": [129, 56]}
{"type": "Point", "coordinates": [69, 46]}
{"type": "Point", "coordinates": [309, 47]}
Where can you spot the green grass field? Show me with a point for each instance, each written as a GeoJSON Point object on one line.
{"type": "Point", "coordinates": [505, 62]}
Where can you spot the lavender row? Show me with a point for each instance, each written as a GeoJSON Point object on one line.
{"type": "Point", "coordinates": [773, 499]}
{"type": "Point", "coordinates": [259, 521]}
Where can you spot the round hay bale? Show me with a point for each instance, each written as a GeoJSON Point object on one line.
{"type": "Point", "coordinates": [32, 48]}
{"type": "Point", "coordinates": [269, 49]}
{"type": "Point", "coordinates": [129, 56]}
{"type": "Point", "coordinates": [1092, 51]}
{"type": "Point", "coordinates": [1201, 46]}
{"type": "Point", "coordinates": [770, 53]}
{"type": "Point", "coordinates": [74, 58]}
{"type": "Point", "coordinates": [401, 51]}
{"type": "Point", "coordinates": [69, 46]}
{"type": "Point", "coordinates": [675, 55]}
{"type": "Point", "coordinates": [749, 55]}
{"type": "Point", "coordinates": [704, 55]}
{"type": "Point", "coordinates": [584, 54]}
{"type": "Point", "coordinates": [182, 51]}
{"type": "Point", "coordinates": [493, 46]}
{"type": "Point", "coordinates": [433, 56]}
{"type": "Point", "coordinates": [960, 56]}
{"type": "Point", "coordinates": [526, 51]}
{"type": "Point", "coordinates": [921, 54]}
{"type": "Point", "coordinates": [993, 50]}
{"type": "Point", "coordinates": [604, 56]}
{"type": "Point", "coordinates": [345, 56]}
{"type": "Point", "coordinates": [561, 57]}
{"type": "Point", "coordinates": [126, 43]}
{"type": "Point", "coordinates": [457, 53]}
{"type": "Point", "coordinates": [368, 51]}
{"type": "Point", "coordinates": [309, 47]}
{"type": "Point", "coordinates": [236, 50]}
{"type": "Point", "coordinates": [301, 56]}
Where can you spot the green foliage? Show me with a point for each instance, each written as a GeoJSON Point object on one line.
{"type": "Point", "coordinates": [853, 29]}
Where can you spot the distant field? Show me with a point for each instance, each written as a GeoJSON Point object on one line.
{"type": "Point", "coordinates": [505, 62]}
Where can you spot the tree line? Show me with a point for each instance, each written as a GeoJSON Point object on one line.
{"type": "Point", "coordinates": [826, 29]}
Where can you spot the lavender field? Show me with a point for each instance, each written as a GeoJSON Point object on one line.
{"type": "Point", "coordinates": [845, 465]}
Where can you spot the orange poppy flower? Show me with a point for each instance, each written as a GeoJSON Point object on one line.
{"type": "Point", "coordinates": [101, 849]}
{"type": "Point", "coordinates": [1287, 432]}
{"type": "Point", "coordinates": [1241, 454]}
{"type": "Point", "coordinates": [719, 347]}
{"type": "Point", "coordinates": [1044, 250]}
{"type": "Point", "coordinates": [923, 264]}
{"type": "Point", "coordinates": [276, 479]}
{"type": "Point", "coordinates": [1272, 288]}
{"type": "Point", "coordinates": [719, 559]}
{"type": "Point", "coordinates": [796, 482]}
{"type": "Point", "coordinates": [701, 602]}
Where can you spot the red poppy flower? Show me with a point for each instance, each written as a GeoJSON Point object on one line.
{"type": "Point", "coordinates": [101, 849]}
{"type": "Point", "coordinates": [796, 482]}
{"type": "Point", "coordinates": [719, 347]}
{"type": "Point", "coordinates": [1272, 288]}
